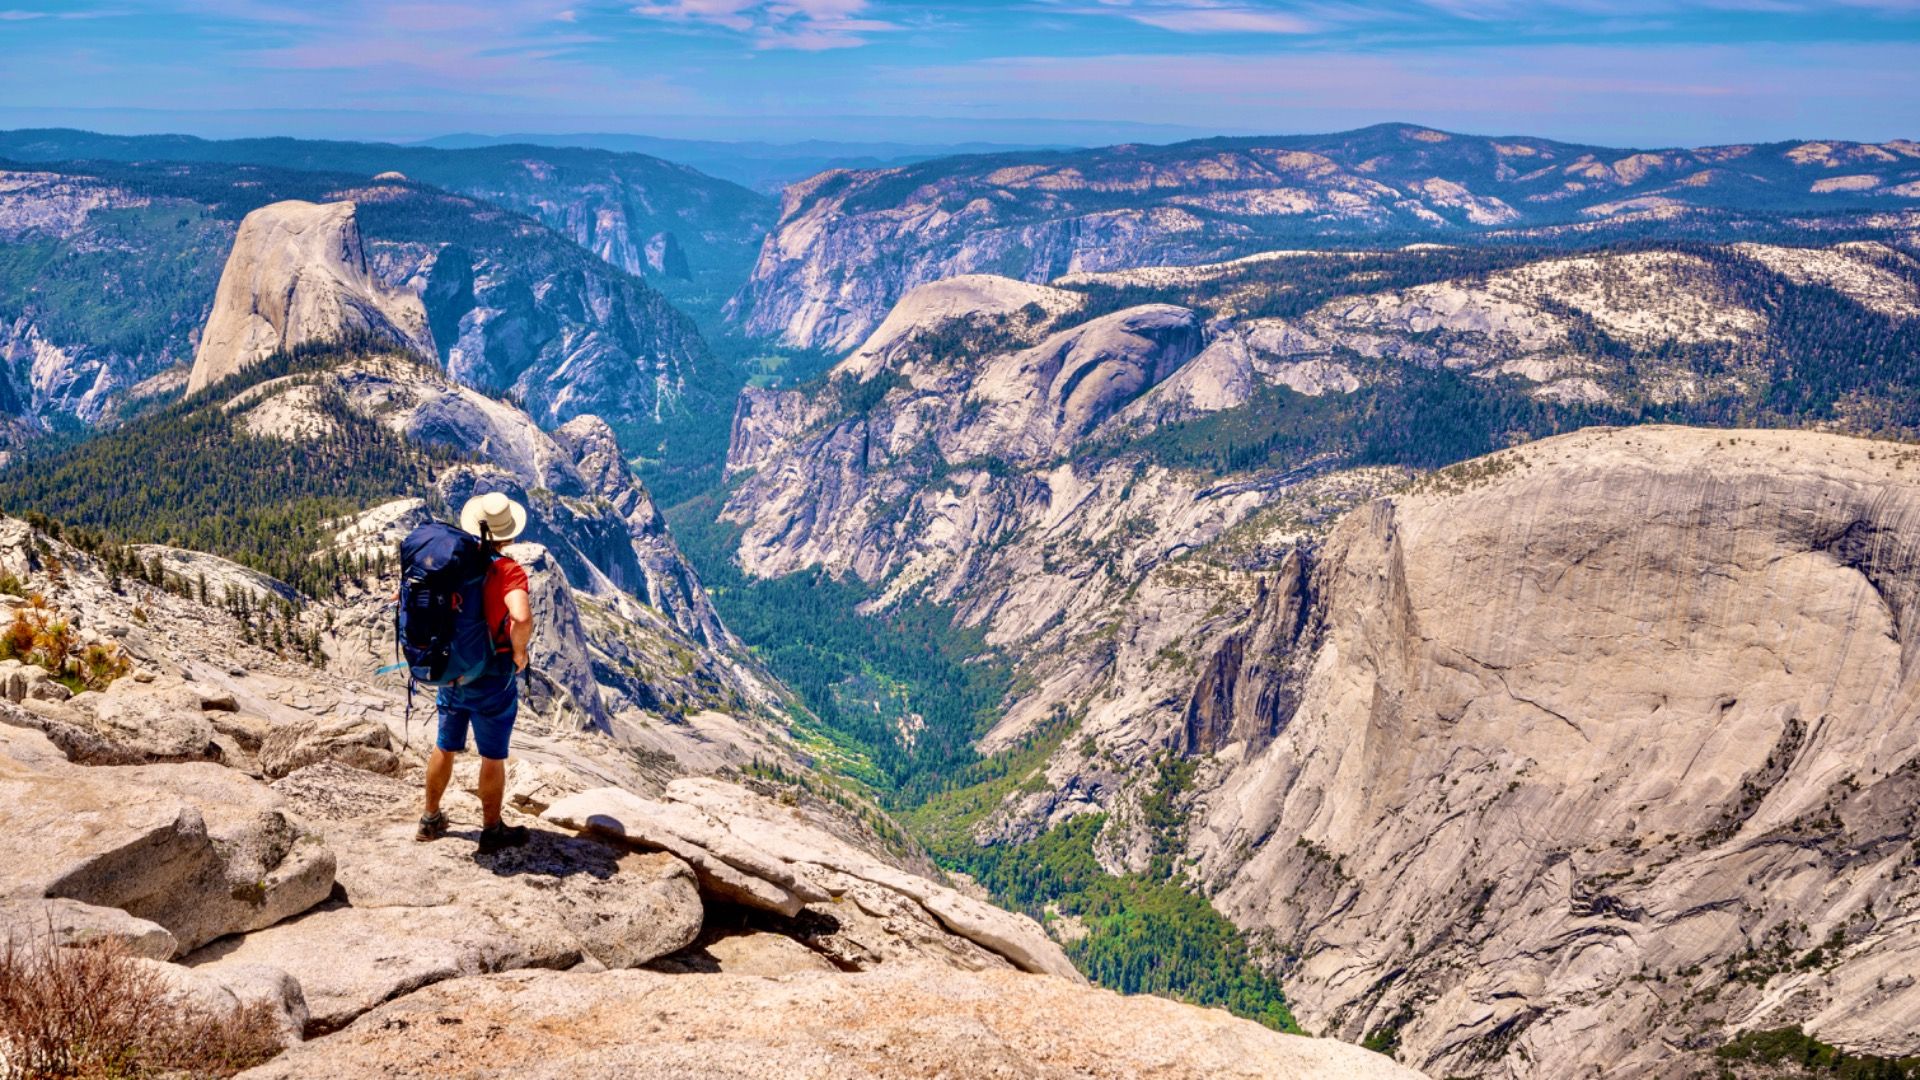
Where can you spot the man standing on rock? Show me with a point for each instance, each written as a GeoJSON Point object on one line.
{"type": "Point", "coordinates": [488, 704]}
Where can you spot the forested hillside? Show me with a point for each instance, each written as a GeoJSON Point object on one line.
{"type": "Point", "coordinates": [191, 475]}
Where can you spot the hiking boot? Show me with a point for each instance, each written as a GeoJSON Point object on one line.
{"type": "Point", "coordinates": [432, 826]}
{"type": "Point", "coordinates": [499, 837]}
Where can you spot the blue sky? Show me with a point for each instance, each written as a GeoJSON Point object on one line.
{"type": "Point", "coordinates": [1634, 72]}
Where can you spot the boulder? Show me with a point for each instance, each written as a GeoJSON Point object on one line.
{"type": "Point", "coordinates": [409, 914]}
{"type": "Point", "coordinates": [63, 922]}
{"type": "Point", "coordinates": [69, 736]}
{"type": "Point", "coordinates": [201, 850]}
{"type": "Point", "coordinates": [620, 907]}
{"type": "Point", "coordinates": [350, 959]}
{"type": "Point", "coordinates": [238, 986]}
{"type": "Point", "coordinates": [329, 791]}
{"type": "Point", "coordinates": [590, 442]}
{"type": "Point", "coordinates": [19, 682]}
{"type": "Point", "coordinates": [754, 952]}
{"type": "Point", "coordinates": [728, 868]}
{"type": "Point", "coordinates": [354, 741]}
{"type": "Point", "coordinates": [898, 1022]}
{"type": "Point", "coordinates": [750, 851]}
{"type": "Point", "coordinates": [161, 720]}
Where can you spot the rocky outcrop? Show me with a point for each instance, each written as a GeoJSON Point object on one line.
{"type": "Point", "coordinates": [411, 914]}
{"type": "Point", "coordinates": [670, 585]}
{"type": "Point", "coordinates": [896, 1023]}
{"type": "Point", "coordinates": [355, 741]}
{"type": "Point", "coordinates": [201, 851]}
{"type": "Point", "coordinates": [592, 514]}
{"type": "Point", "coordinates": [510, 305]}
{"type": "Point", "coordinates": [753, 855]}
{"type": "Point", "coordinates": [298, 275]}
{"type": "Point", "coordinates": [311, 896]}
{"type": "Point", "coordinates": [239, 987]}
{"type": "Point", "coordinates": [25, 921]}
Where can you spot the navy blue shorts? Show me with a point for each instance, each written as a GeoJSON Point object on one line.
{"type": "Point", "coordinates": [488, 705]}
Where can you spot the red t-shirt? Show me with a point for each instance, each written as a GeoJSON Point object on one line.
{"type": "Point", "coordinates": [503, 577]}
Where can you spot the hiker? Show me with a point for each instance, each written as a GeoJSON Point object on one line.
{"type": "Point", "coordinates": [485, 697]}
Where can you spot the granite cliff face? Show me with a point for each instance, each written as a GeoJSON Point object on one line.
{"type": "Point", "coordinates": [1597, 748]}
{"type": "Point", "coordinates": [510, 306]}
{"type": "Point", "coordinates": [631, 645]}
{"type": "Point", "coordinates": [298, 275]}
{"type": "Point", "coordinates": [1591, 752]}
{"type": "Point", "coordinates": [849, 244]}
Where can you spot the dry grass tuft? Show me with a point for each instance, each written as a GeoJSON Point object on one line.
{"type": "Point", "coordinates": [95, 1013]}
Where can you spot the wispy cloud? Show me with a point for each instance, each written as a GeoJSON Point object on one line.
{"type": "Point", "coordinates": [808, 25]}
{"type": "Point", "coordinates": [1196, 16]}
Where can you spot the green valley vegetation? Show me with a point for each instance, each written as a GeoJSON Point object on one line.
{"type": "Point", "coordinates": [1137, 933]}
{"type": "Point", "coordinates": [1149, 932]}
{"type": "Point", "coordinates": [940, 685]}
{"type": "Point", "coordinates": [895, 703]}
{"type": "Point", "coordinates": [190, 475]}
{"type": "Point", "coordinates": [1792, 1054]}
{"type": "Point", "coordinates": [113, 288]}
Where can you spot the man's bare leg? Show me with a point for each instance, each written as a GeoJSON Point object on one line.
{"type": "Point", "coordinates": [493, 789]}
{"type": "Point", "coordinates": [439, 774]}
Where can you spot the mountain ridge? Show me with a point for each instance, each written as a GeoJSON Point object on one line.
{"type": "Point", "coordinates": [508, 301]}
{"type": "Point", "coordinates": [850, 244]}
{"type": "Point", "coordinates": [608, 202]}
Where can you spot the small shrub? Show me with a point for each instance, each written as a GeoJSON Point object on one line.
{"type": "Point", "coordinates": [11, 585]}
{"type": "Point", "coordinates": [18, 640]}
{"type": "Point", "coordinates": [99, 665]}
{"type": "Point", "coordinates": [94, 1013]}
{"type": "Point", "coordinates": [37, 635]}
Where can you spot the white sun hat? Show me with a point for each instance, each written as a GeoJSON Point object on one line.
{"type": "Point", "coordinates": [493, 516]}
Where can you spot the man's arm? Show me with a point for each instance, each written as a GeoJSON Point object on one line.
{"type": "Point", "coordinates": [520, 626]}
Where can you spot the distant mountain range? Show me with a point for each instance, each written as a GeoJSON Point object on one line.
{"type": "Point", "coordinates": [763, 166]}
{"type": "Point", "coordinates": [613, 204]}
{"type": "Point", "coordinates": [848, 245]}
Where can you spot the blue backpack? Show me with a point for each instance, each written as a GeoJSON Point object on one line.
{"type": "Point", "coordinates": [441, 623]}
